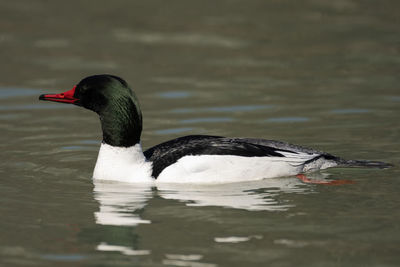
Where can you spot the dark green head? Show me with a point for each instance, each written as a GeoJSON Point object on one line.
{"type": "Point", "coordinates": [114, 101]}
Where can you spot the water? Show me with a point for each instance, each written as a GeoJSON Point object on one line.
{"type": "Point", "coordinates": [317, 73]}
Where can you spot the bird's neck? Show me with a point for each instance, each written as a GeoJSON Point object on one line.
{"type": "Point", "coordinates": [121, 125]}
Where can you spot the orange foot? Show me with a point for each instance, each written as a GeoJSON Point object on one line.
{"type": "Point", "coordinates": [304, 179]}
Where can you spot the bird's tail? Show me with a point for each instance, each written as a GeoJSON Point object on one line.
{"type": "Point", "coordinates": [364, 164]}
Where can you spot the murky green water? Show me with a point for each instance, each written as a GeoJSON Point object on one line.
{"type": "Point", "coordinates": [319, 73]}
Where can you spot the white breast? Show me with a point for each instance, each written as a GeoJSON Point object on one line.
{"type": "Point", "coordinates": [124, 164]}
{"type": "Point", "coordinates": [226, 168]}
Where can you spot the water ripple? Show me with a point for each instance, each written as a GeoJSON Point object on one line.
{"type": "Point", "coordinates": [10, 92]}
{"type": "Point", "coordinates": [241, 108]}
{"type": "Point", "coordinates": [64, 257]}
{"type": "Point", "coordinates": [393, 98]}
{"type": "Point", "coordinates": [174, 94]}
{"type": "Point", "coordinates": [207, 120]}
{"type": "Point", "coordinates": [350, 111]}
{"type": "Point", "coordinates": [52, 43]}
{"type": "Point", "coordinates": [182, 38]}
{"type": "Point", "coordinates": [75, 63]}
{"type": "Point", "coordinates": [37, 106]}
{"type": "Point", "coordinates": [288, 119]}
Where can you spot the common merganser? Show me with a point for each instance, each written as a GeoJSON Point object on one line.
{"type": "Point", "coordinates": [188, 159]}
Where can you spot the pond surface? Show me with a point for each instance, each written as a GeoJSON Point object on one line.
{"type": "Point", "coordinates": [319, 73]}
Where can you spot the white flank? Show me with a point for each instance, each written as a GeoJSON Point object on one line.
{"type": "Point", "coordinates": [128, 164]}
{"type": "Point", "coordinates": [124, 164]}
{"type": "Point", "coordinates": [226, 168]}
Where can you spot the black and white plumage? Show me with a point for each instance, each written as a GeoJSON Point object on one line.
{"type": "Point", "coordinates": [189, 159]}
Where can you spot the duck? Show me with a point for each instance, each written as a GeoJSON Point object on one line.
{"type": "Point", "coordinates": [187, 159]}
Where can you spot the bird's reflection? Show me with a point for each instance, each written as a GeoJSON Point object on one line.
{"type": "Point", "coordinates": [121, 204]}
{"type": "Point", "coordinates": [256, 195]}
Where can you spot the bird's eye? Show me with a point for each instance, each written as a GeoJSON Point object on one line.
{"type": "Point", "coordinates": [61, 95]}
